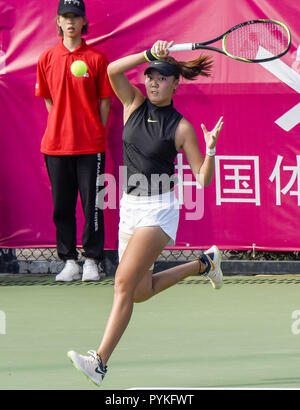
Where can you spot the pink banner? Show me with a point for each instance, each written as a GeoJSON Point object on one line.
{"type": "Point", "coordinates": [254, 199]}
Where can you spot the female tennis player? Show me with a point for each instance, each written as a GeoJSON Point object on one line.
{"type": "Point", "coordinates": [154, 132]}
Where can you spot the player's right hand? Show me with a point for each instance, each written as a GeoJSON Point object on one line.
{"type": "Point", "coordinates": [161, 48]}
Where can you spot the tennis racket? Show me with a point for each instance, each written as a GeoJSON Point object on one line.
{"type": "Point", "coordinates": [254, 41]}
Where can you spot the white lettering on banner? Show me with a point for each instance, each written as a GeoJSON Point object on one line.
{"type": "Point", "coordinates": [276, 175]}
{"type": "Point", "coordinates": [245, 187]}
{"type": "Point", "coordinates": [291, 78]}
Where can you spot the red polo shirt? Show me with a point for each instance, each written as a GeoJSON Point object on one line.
{"type": "Point", "coordinates": [74, 125]}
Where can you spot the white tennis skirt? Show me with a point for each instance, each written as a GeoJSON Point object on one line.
{"type": "Point", "coordinates": [140, 211]}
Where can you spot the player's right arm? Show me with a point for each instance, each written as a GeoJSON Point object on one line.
{"type": "Point", "coordinates": [129, 95]}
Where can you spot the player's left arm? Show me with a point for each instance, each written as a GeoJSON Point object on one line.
{"type": "Point", "coordinates": [186, 139]}
{"type": "Point", "coordinates": [104, 109]}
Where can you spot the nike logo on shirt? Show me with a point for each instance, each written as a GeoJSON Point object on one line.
{"type": "Point", "coordinates": [149, 120]}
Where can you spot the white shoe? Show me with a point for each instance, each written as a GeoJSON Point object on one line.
{"type": "Point", "coordinates": [213, 258]}
{"type": "Point", "coordinates": [90, 271]}
{"type": "Point", "coordinates": [91, 366]}
{"type": "Point", "coordinates": [70, 272]}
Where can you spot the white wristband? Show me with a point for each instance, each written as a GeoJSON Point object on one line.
{"type": "Point", "coordinates": [211, 151]}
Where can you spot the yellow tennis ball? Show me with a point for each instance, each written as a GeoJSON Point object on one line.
{"type": "Point", "coordinates": [78, 68]}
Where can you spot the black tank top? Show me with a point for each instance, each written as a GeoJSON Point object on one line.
{"type": "Point", "coordinates": [149, 149]}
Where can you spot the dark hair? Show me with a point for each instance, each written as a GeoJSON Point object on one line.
{"type": "Point", "coordinates": [60, 32]}
{"type": "Point", "coordinates": [191, 69]}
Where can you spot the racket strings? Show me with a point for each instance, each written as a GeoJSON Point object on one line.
{"type": "Point", "coordinates": [257, 41]}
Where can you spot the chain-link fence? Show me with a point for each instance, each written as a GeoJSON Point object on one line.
{"type": "Point", "coordinates": [45, 260]}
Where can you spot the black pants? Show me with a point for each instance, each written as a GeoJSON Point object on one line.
{"type": "Point", "coordinates": [70, 174]}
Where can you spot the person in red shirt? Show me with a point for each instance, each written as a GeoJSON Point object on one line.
{"type": "Point", "coordinates": [74, 140]}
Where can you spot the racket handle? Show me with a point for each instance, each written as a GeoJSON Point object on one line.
{"type": "Point", "coordinates": [181, 47]}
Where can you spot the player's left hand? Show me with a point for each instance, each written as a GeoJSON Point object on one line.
{"type": "Point", "coordinates": [211, 137]}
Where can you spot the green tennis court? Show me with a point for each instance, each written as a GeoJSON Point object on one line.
{"type": "Point", "coordinates": [190, 336]}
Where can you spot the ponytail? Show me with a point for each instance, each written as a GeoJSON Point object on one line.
{"type": "Point", "coordinates": [191, 69]}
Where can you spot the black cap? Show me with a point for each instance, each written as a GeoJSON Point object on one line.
{"type": "Point", "coordinates": [164, 68]}
{"type": "Point", "coordinates": [71, 6]}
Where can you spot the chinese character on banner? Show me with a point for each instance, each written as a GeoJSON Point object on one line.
{"type": "Point", "coordinates": [295, 176]}
{"type": "Point", "coordinates": [237, 179]}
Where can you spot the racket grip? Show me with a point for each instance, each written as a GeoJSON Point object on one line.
{"type": "Point", "coordinates": [181, 47]}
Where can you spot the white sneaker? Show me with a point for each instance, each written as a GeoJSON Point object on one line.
{"type": "Point", "coordinates": [213, 258]}
{"type": "Point", "coordinates": [70, 272]}
{"type": "Point", "coordinates": [91, 366]}
{"type": "Point", "coordinates": [90, 271]}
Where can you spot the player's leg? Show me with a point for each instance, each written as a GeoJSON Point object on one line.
{"type": "Point", "coordinates": [142, 250]}
{"type": "Point", "coordinates": [151, 285]}
{"type": "Point", "coordinates": [209, 264]}
{"type": "Point", "coordinates": [134, 280]}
